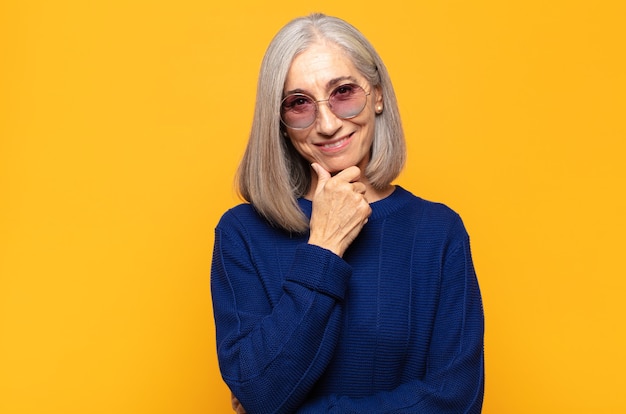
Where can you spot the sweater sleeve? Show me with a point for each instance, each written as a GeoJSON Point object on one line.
{"type": "Point", "coordinates": [271, 353]}
{"type": "Point", "coordinates": [454, 382]}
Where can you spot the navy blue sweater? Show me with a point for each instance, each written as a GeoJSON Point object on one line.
{"type": "Point", "coordinates": [395, 326]}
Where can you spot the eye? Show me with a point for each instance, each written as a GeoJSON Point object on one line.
{"type": "Point", "coordinates": [345, 92]}
{"type": "Point", "coordinates": [297, 103]}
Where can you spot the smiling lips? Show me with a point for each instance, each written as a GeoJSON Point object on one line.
{"type": "Point", "coordinates": [335, 145]}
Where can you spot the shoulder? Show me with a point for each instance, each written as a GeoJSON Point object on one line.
{"type": "Point", "coordinates": [429, 217]}
{"type": "Point", "coordinates": [244, 222]}
{"type": "Point", "coordinates": [240, 220]}
{"type": "Point", "coordinates": [241, 213]}
{"type": "Point", "coordinates": [408, 202]}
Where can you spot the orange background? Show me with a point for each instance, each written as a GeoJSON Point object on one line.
{"type": "Point", "coordinates": [122, 123]}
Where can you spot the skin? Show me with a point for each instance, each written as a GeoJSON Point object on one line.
{"type": "Point", "coordinates": [236, 405]}
{"type": "Point", "coordinates": [338, 149]}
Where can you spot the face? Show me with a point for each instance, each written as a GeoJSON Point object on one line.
{"type": "Point", "coordinates": [331, 141]}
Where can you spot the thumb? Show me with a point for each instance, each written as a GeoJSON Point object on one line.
{"type": "Point", "coordinates": [322, 174]}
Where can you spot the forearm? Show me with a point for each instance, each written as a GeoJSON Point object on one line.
{"type": "Point", "coordinates": [414, 397]}
{"type": "Point", "coordinates": [272, 368]}
{"type": "Point", "coordinates": [453, 381]}
{"type": "Point", "coordinates": [278, 351]}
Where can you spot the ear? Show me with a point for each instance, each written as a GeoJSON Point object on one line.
{"type": "Point", "coordinates": [378, 99]}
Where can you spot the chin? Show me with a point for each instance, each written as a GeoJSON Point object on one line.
{"type": "Point", "coordinates": [335, 170]}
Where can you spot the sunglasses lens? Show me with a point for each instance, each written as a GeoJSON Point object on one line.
{"type": "Point", "coordinates": [347, 101]}
{"type": "Point", "coordinates": [297, 111]}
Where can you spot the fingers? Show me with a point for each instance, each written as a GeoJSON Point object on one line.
{"type": "Point", "coordinates": [359, 187]}
{"type": "Point", "coordinates": [348, 177]}
{"type": "Point", "coordinates": [236, 405]}
{"type": "Point", "coordinates": [340, 209]}
{"type": "Point", "coordinates": [322, 174]}
{"type": "Point", "coordinates": [350, 174]}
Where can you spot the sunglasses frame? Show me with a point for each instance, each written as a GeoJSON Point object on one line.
{"type": "Point", "coordinates": [318, 101]}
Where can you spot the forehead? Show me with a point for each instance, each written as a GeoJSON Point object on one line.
{"type": "Point", "coordinates": [319, 67]}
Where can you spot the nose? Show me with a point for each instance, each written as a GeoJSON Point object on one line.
{"type": "Point", "coordinates": [327, 122]}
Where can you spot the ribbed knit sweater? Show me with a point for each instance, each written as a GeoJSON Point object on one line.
{"type": "Point", "coordinates": [395, 326]}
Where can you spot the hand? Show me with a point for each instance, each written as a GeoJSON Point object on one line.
{"type": "Point", "coordinates": [236, 404]}
{"type": "Point", "coordinates": [340, 209]}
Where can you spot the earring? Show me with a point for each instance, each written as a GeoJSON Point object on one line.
{"type": "Point", "coordinates": [379, 109]}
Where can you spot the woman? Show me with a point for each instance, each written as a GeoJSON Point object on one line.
{"type": "Point", "coordinates": [334, 290]}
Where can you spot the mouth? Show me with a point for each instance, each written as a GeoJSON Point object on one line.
{"type": "Point", "coordinates": [336, 144]}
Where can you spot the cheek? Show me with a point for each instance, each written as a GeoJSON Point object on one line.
{"type": "Point", "coordinates": [298, 139]}
{"type": "Point", "coordinates": [299, 142]}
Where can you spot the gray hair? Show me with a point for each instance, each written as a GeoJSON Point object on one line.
{"type": "Point", "coordinates": [272, 174]}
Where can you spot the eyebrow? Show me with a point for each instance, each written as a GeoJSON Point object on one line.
{"type": "Point", "coordinates": [329, 84]}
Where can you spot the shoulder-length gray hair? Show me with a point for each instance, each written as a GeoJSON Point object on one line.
{"type": "Point", "coordinates": [272, 175]}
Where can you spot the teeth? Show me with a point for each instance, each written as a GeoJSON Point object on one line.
{"type": "Point", "coordinates": [334, 145]}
